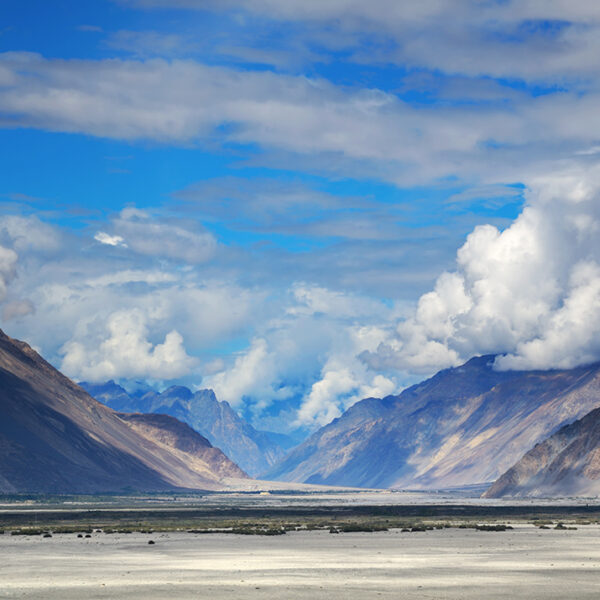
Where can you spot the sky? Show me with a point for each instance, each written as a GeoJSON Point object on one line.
{"type": "Point", "coordinates": [299, 204]}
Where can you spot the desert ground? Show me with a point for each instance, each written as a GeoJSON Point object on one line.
{"type": "Point", "coordinates": [525, 562]}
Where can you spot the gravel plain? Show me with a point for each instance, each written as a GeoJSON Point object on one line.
{"type": "Point", "coordinates": [525, 562]}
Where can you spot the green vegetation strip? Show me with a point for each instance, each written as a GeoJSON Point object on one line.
{"type": "Point", "coordinates": [41, 519]}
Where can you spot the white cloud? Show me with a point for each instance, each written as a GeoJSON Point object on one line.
{"type": "Point", "coordinates": [311, 299]}
{"type": "Point", "coordinates": [253, 374]}
{"type": "Point", "coordinates": [308, 353]}
{"type": "Point", "coordinates": [571, 333]}
{"type": "Point", "coordinates": [78, 290]}
{"type": "Point", "coordinates": [517, 38]}
{"type": "Point", "coordinates": [532, 290]}
{"type": "Point", "coordinates": [125, 351]}
{"type": "Point", "coordinates": [137, 230]}
{"type": "Point", "coordinates": [79, 315]}
{"type": "Point", "coordinates": [329, 127]}
{"type": "Point", "coordinates": [110, 240]}
{"type": "Point", "coordinates": [343, 382]}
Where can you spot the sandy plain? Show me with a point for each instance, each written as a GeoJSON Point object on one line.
{"type": "Point", "coordinates": [526, 563]}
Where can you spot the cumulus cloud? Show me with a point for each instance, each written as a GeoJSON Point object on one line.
{"type": "Point", "coordinates": [343, 381]}
{"type": "Point", "coordinates": [254, 374]}
{"type": "Point", "coordinates": [126, 352]}
{"type": "Point", "coordinates": [112, 322]}
{"type": "Point", "coordinates": [308, 354]}
{"type": "Point", "coordinates": [531, 292]}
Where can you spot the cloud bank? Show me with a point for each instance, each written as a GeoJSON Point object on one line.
{"type": "Point", "coordinates": [531, 292]}
{"type": "Point", "coordinates": [329, 127]}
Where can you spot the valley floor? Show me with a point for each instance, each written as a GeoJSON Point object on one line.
{"type": "Point", "coordinates": [525, 562]}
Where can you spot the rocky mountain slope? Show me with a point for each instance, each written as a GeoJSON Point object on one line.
{"type": "Point", "coordinates": [54, 437]}
{"type": "Point", "coordinates": [184, 441]}
{"type": "Point", "coordinates": [565, 464]}
{"type": "Point", "coordinates": [463, 426]}
{"type": "Point", "coordinates": [254, 451]}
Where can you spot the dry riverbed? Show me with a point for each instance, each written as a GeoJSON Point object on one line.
{"type": "Point", "coordinates": [525, 562]}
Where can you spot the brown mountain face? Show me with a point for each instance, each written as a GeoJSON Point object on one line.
{"type": "Point", "coordinates": [180, 438]}
{"type": "Point", "coordinates": [463, 426]}
{"type": "Point", "coordinates": [54, 437]}
{"type": "Point", "coordinates": [565, 464]}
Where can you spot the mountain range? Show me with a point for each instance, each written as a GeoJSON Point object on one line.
{"type": "Point", "coordinates": [464, 426]}
{"type": "Point", "coordinates": [253, 450]}
{"type": "Point", "coordinates": [54, 437]}
{"type": "Point", "coordinates": [532, 433]}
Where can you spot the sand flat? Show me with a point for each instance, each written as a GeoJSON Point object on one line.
{"type": "Point", "coordinates": [451, 563]}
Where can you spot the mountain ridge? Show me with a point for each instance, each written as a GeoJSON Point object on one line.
{"type": "Point", "coordinates": [463, 426]}
{"type": "Point", "coordinates": [251, 449]}
{"type": "Point", "coordinates": [54, 437]}
{"type": "Point", "coordinates": [565, 464]}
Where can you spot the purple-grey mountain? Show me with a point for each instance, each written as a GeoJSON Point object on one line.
{"type": "Point", "coordinates": [254, 451]}
{"type": "Point", "coordinates": [565, 464]}
{"type": "Point", "coordinates": [464, 426]}
{"type": "Point", "coordinates": [54, 437]}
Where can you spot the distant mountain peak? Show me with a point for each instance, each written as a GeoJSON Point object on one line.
{"type": "Point", "coordinates": [182, 392]}
{"type": "Point", "coordinates": [485, 361]}
{"type": "Point", "coordinates": [254, 451]}
{"type": "Point", "coordinates": [209, 394]}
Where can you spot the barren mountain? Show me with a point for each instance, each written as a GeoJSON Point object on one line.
{"type": "Point", "coordinates": [463, 426]}
{"type": "Point", "coordinates": [565, 464]}
{"type": "Point", "coordinates": [54, 437]}
{"type": "Point", "coordinates": [180, 438]}
{"type": "Point", "coordinates": [253, 450]}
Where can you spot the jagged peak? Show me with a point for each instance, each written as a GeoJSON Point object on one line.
{"type": "Point", "coordinates": [207, 392]}
{"type": "Point", "coordinates": [178, 390]}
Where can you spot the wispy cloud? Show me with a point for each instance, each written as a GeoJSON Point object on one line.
{"type": "Point", "coordinates": [146, 44]}
{"type": "Point", "coordinates": [185, 102]}
{"type": "Point", "coordinates": [519, 38]}
{"type": "Point", "coordinates": [90, 28]}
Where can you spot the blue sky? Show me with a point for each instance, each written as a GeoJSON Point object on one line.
{"type": "Point", "coordinates": [298, 204]}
